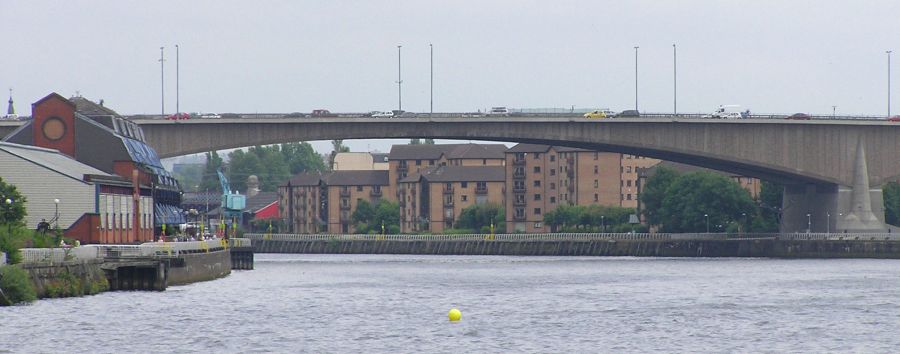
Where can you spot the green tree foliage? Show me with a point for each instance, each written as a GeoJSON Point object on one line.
{"type": "Point", "coordinates": [594, 218]}
{"type": "Point", "coordinates": [16, 286]}
{"type": "Point", "coordinates": [478, 218]}
{"type": "Point", "coordinates": [272, 164]}
{"type": "Point", "coordinates": [368, 218]}
{"type": "Point", "coordinates": [190, 177]}
{"type": "Point", "coordinates": [210, 180]}
{"type": "Point", "coordinates": [892, 203]}
{"type": "Point", "coordinates": [415, 141]}
{"type": "Point", "coordinates": [429, 141]}
{"type": "Point", "coordinates": [767, 217]}
{"type": "Point", "coordinates": [13, 211]}
{"type": "Point", "coordinates": [698, 199]}
{"type": "Point", "coordinates": [654, 192]}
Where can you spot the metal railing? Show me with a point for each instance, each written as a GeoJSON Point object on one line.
{"type": "Point", "coordinates": [57, 255]}
{"type": "Point", "coordinates": [580, 237]}
{"type": "Point", "coordinates": [146, 250]}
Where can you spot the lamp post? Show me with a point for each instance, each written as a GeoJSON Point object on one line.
{"type": "Point", "coordinates": [636, 77]}
{"type": "Point", "coordinates": [707, 222]}
{"type": "Point", "coordinates": [889, 82]}
{"type": "Point", "coordinates": [603, 223]}
{"type": "Point", "coordinates": [833, 112]}
{"type": "Point", "coordinates": [162, 81]}
{"type": "Point", "coordinates": [674, 80]}
{"type": "Point", "coordinates": [828, 222]}
{"type": "Point", "coordinates": [177, 93]}
{"type": "Point", "coordinates": [744, 224]}
{"type": "Point", "coordinates": [8, 216]}
{"type": "Point", "coordinates": [808, 223]}
{"type": "Point", "coordinates": [431, 94]}
{"type": "Point", "coordinates": [56, 213]}
{"type": "Point", "coordinates": [399, 82]}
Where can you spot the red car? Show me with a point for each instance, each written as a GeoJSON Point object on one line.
{"type": "Point", "coordinates": [799, 116]}
{"type": "Point", "coordinates": [894, 119]}
{"type": "Point", "coordinates": [179, 116]}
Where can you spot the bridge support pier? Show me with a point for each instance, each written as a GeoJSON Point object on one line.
{"type": "Point", "coordinates": [833, 208]}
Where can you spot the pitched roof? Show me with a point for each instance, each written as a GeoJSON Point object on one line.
{"type": "Point", "coordinates": [542, 148]}
{"type": "Point", "coordinates": [52, 160]}
{"type": "Point", "coordinates": [477, 151]}
{"type": "Point", "coordinates": [460, 174]}
{"type": "Point", "coordinates": [261, 200]}
{"type": "Point", "coordinates": [450, 151]}
{"type": "Point", "coordinates": [358, 178]}
{"type": "Point", "coordinates": [90, 108]}
{"type": "Point", "coordinates": [379, 157]}
{"type": "Point", "coordinates": [305, 179]}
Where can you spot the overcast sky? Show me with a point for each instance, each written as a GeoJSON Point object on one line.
{"type": "Point", "coordinates": [287, 56]}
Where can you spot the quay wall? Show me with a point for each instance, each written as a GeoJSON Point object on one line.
{"type": "Point", "coordinates": [196, 267]}
{"type": "Point", "coordinates": [636, 248]}
{"type": "Point", "coordinates": [65, 279]}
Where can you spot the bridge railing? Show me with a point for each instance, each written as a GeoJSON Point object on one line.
{"type": "Point", "coordinates": [517, 114]}
{"type": "Point", "coordinates": [578, 237]}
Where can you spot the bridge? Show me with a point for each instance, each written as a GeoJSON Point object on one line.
{"type": "Point", "coordinates": [828, 166]}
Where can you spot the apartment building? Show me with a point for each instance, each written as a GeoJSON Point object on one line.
{"type": "Point", "coordinates": [406, 160]}
{"type": "Point", "coordinates": [324, 202]}
{"type": "Point", "coordinates": [542, 177]}
{"type": "Point", "coordinates": [432, 199]}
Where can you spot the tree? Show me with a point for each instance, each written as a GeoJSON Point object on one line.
{"type": "Point", "coordinates": [210, 180]}
{"type": "Point", "coordinates": [301, 157]}
{"type": "Point", "coordinates": [701, 201]}
{"type": "Point", "coordinates": [654, 192]}
{"type": "Point", "coordinates": [337, 146]}
{"type": "Point", "coordinates": [368, 218]}
{"type": "Point", "coordinates": [892, 203]}
{"type": "Point", "coordinates": [415, 141]}
{"type": "Point", "coordinates": [478, 218]}
{"type": "Point", "coordinates": [429, 141]}
{"type": "Point", "coordinates": [14, 211]}
{"type": "Point", "coordinates": [768, 215]}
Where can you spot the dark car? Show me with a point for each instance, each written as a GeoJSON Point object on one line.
{"type": "Point", "coordinates": [323, 113]}
{"type": "Point", "coordinates": [628, 113]}
{"type": "Point", "coordinates": [894, 119]}
{"type": "Point", "coordinates": [799, 116]}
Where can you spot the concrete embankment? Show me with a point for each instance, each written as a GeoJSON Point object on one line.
{"type": "Point", "coordinates": [768, 247]}
{"type": "Point", "coordinates": [73, 278]}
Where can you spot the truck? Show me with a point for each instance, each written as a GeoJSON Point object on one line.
{"type": "Point", "coordinates": [728, 111]}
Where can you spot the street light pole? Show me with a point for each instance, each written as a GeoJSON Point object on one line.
{"type": "Point", "coordinates": [162, 81]}
{"type": "Point", "coordinates": [399, 82]}
{"type": "Point", "coordinates": [889, 82]}
{"type": "Point", "coordinates": [808, 223]}
{"type": "Point", "coordinates": [177, 93]}
{"type": "Point", "coordinates": [833, 112]}
{"type": "Point", "coordinates": [603, 223]}
{"type": "Point", "coordinates": [707, 222]}
{"type": "Point", "coordinates": [636, 77]}
{"type": "Point", "coordinates": [674, 79]}
{"type": "Point", "coordinates": [431, 102]}
{"type": "Point", "coordinates": [828, 222]}
{"type": "Point", "coordinates": [56, 213]}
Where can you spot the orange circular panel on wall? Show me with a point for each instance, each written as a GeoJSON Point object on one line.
{"type": "Point", "coordinates": [53, 128]}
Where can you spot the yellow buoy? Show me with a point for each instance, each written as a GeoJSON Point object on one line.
{"type": "Point", "coordinates": [454, 315]}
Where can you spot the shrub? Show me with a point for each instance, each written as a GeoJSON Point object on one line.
{"type": "Point", "coordinates": [16, 285]}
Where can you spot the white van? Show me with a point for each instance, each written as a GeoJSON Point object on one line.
{"type": "Point", "coordinates": [726, 111]}
{"type": "Point", "coordinates": [499, 111]}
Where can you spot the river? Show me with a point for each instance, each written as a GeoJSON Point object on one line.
{"type": "Point", "coordinates": [399, 304]}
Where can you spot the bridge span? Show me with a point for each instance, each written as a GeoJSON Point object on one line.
{"type": "Point", "coordinates": [827, 166]}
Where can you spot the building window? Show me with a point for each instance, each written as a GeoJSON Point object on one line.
{"type": "Point", "coordinates": [537, 197]}
{"type": "Point", "coordinates": [596, 170]}
{"type": "Point", "coordinates": [552, 186]}
{"type": "Point", "coordinates": [537, 169]}
{"type": "Point", "coordinates": [628, 196]}
{"type": "Point", "coordinates": [520, 212]}
{"type": "Point", "coordinates": [628, 169]}
{"type": "Point", "coordinates": [519, 185]}
{"type": "Point", "coordinates": [463, 184]}
{"type": "Point", "coordinates": [628, 183]}
{"type": "Point", "coordinates": [596, 197]}
{"type": "Point", "coordinates": [596, 183]}
{"type": "Point", "coordinates": [596, 155]}
{"type": "Point", "coordinates": [359, 188]}
{"type": "Point", "coordinates": [552, 200]}
{"type": "Point", "coordinates": [553, 172]}
{"type": "Point", "coordinates": [537, 155]}
{"type": "Point", "coordinates": [418, 162]}
{"type": "Point", "coordinates": [552, 158]}
{"type": "Point", "coordinates": [520, 198]}
{"type": "Point", "coordinates": [481, 185]}
{"type": "Point", "coordinates": [430, 162]}
{"type": "Point", "coordinates": [484, 161]}
{"type": "Point", "coordinates": [537, 183]}
{"type": "Point", "coordinates": [464, 198]}
{"type": "Point", "coordinates": [537, 211]}
{"type": "Point", "coordinates": [538, 225]}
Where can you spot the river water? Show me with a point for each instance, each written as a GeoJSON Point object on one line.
{"type": "Point", "coordinates": [399, 304]}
